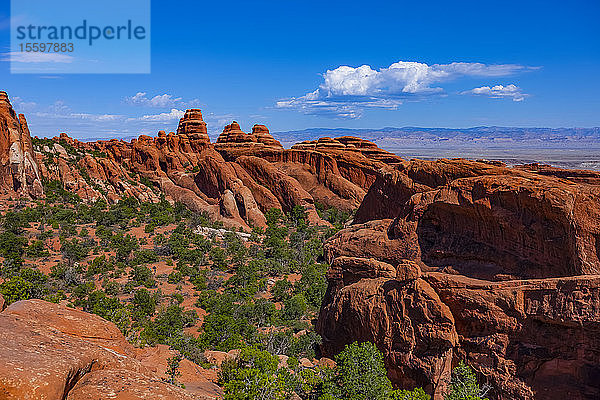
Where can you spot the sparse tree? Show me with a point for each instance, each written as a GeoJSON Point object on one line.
{"type": "Point", "coordinates": [173, 368]}
{"type": "Point", "coordinates": [463, 385]}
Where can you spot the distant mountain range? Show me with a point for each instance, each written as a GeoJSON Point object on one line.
{"type": "Point", "coordinates": [562, 147]}
{"type": "Point", "coordinates": [475, 134]}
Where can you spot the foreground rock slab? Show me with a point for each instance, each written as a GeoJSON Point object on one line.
{"type": "Point", "coordinates": [125, 385]}
{"type": "Point", "coordinates": [52, 352]}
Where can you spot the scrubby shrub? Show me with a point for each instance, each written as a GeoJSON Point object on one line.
{"type": "Point", "coordinates": [294, 308]}
{"type": "Point", "coordinates": [112, 288]}
{"type": "Point", "coordinates": [145, 256]}
{"type": "Point", "coordinates": [312, 284]}
{"type": "Point", "coordinates": [37, 249]}
{"type": "Point", "coordinates": [73, 250]}
{"type": "Point", "coordinates": [281, 290]}
{"type": "Point", "coordinates": [175, 277]}
{"type": "Point", "coordinates": [173, 368]}
{"type": "Point", "coordinates": [99, 265]}
{"type": "Point", "coordinates": [12, 247]}
{"type": "Point", "coordinates": [225, 332]}
{"type": "Point", "coordinates": [361, 373]}
{"type": "Point", "coordinates": [464, 386]}
{"type": "Point", "coordinates": [17, 289]}
{"type": "Point", "coordinates": [254, 374]}
{"type": "Point", "coordinates": [65, 275]}
{"type": "Point", "coordinates": [141, 275]}
{"type": "Point", "coordinates": [416, 394]}
{"type": "Point", "coordinates": [144, 304]}
{"type": "Point", "coordinates": [217, 256]}
{"type": "Point", "coordinates": [167, 327]}
{"type": "Point", "coordinates": [124, 245]}
{"type": "Point", "coordinates": [28, 284]}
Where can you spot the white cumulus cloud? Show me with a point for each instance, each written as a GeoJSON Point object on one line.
{"type": "Point", "coordinates": [347, 91]}
{"type": "Point", "coordinates": [499, 91]}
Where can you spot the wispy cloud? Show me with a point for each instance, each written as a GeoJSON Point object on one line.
{"type": "Point", "coordinates": [21, 105]}
{"type": "Point", "coordinates": [80, 116]}
{"type": "Point", "coordinates": [50, 120]}
{"type": "Point", "coordinates": [340, 107]}
{"type": "Point", "coordinates": [59, 107]}
{"type": "Point", "coordinates": [347, 91]}
{"type": "Point", "coordinates": [6, 22]}
{"type": "Point", "coordinates": [499, 92]}
{"type": "Point", "coordinates": [36, 57]}
{"type": "Point", "coordinates": [159, 101]}
{"type": "Point", "coordinates": [174, 114]}
{"type": "Point", "coordinates": [98, 117]}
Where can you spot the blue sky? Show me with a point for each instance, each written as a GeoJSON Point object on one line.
{"type": "Point", "coordinates": [305, 64]}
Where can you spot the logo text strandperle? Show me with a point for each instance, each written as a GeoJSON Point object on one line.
{"type": "Point", "coordinates": [81, 32]}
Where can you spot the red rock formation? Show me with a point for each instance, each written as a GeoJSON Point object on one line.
{"type": "Point", "coordinates": [233, 142]}
{"type": "Point", "coordinates": [262, 134]}
{"type": "Point", "coordinates": [446, 260]}
{"type": "Point", "coordinates": [288, 190]}
{"type": "Point", "coordinates": [533, 338]}
{"type": "Point", "coordinates": [236, 180]}
{"type": "Point", "coordinates": [194, 127]}
{"type": "Point", "coordinates": [398, 311]}
{"type": "Point", "coordinates": [368, 149]}
{"type": "Point", "coordinates": [18, 169]}
{"type": "Point", "coordinates": [575, 175]}
{"type": "Point", "coordinates": [73, 323]}
{"type": "Point", "coordinates": [52, 352]}
{"type": "Point", "coordinates": [473, 229]}
{"type": "Point", "coordinates": [232, 133]}
{"type": "Point", "coordinates": [126, 385]}
{"type": "Point", "coordinates": [349, 144]}
{"type": "Point", "coordinates": [196, 379]}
